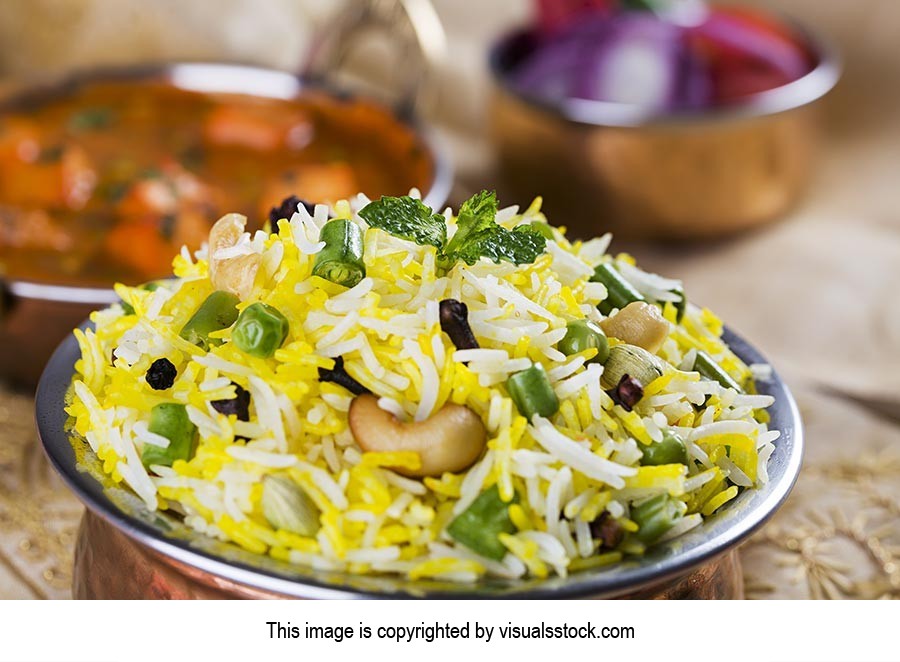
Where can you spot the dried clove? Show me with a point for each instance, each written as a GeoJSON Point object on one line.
{"type": "Point", "coordinates": [454, 317]}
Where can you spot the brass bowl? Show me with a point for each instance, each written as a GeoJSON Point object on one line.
{"type": "Point", "coordinates": [128, 551]}
{"type": "Point", "coordinates": [642, 174]}
{"type": "Point", "coordinates": [111, 566]}
{"type": "Point", "coordinates": [35, 317]}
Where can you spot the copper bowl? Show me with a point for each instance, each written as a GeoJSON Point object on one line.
{"type": "Point", "coordinates": [128, 551]}
{"type": "Point", "coordinates": [35, 317]}
{"type": "Point", "coordinates": [643, 174]}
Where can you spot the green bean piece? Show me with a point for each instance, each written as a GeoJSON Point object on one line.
{"type": "Point", "coordinates": [545, 230]}
{"type": "Point", "coordinates": [619, 291]}
{"type": "Point", "coordinates": [479, 526]}
{"type": "Point", "coordinates": [671, 450]}
{"type": "Point", "coordinates": [171, 421]}
{"type": "Point", "coordinates": [707, 367]}
{"type": "Point", "coordinates": [532, 392]}
{"type": "Point", "coordinates": [654, 517]}
{"type": "Point", "coordinates": [260, 330]}
{"type": "Point", "coordinates": [582, 335]}
{"type": "Point", "coordinates": [680, 305]}
{"type": "Point", "coordinates": [218, 312]}
{"type": "Point", "coordinates": [341, 260]}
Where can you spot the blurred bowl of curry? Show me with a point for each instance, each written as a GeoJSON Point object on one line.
{"type": "Point", "coordinates": [105, 175]}
{"type": "Point", "coordinates": [711, 158]}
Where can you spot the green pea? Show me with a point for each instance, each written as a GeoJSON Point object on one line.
{"type": "Point", "coordinates": [582, 335]}
{"type": "Point", "coordinates": [217, 312]}
{"type": "Point", "coordinates": [171, 421]}
{"type": "Point", "coordinates": [260, 330]}
{"type": "Point", "coordinates": [532, 392]}
{"type": "Point", "coordinates": [671, 450]}
{"type": "Point", "coordinates": [656, 516]}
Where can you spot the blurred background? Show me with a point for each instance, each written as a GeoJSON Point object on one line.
{"type": "Point", "coordinates": [816, 289]}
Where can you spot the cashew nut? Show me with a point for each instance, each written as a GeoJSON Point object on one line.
{"type": "Point", "coordinates": [231, 270]}
{"type": "Point", "coordinates": [451, 440]}
{"type": "Point", "coordinates": [640, 324]}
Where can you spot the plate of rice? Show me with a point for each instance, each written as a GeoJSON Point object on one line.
{"type": "Point", "coordinates": [377, 398]}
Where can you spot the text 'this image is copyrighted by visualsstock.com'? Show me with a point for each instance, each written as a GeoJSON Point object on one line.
{"type": "Point", "coordinates": [436, 631]}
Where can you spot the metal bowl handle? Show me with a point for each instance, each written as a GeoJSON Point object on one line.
{"type": "Point", "coordinates": [411, 27]}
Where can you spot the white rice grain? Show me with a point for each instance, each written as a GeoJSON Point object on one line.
{"type": "Point", "coordinates": [722, 427]}
{"type": "Point", "coordinates": [577, 456]}
{"type": "Point", "coordinates": [430, 379]}
{"type": "Point", "coordinates": [263, 459]}
{"type": "Point", "coordinates": [682, 526]}
{"type": "Point", "coordinates": [339, 330]}
{"type": "Point", "coordinates": [139, 428]}
{"type": "Point", "coordinates": [214, 384]}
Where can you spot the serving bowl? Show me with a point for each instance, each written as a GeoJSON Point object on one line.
{"type": "Point", "coordinates": [36, 316]}
{"type": "Point", "coordinates": [649, 174]}
{"type": "Point", "coordinates": [128, 551]}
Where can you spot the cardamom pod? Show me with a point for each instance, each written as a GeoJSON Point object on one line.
{"type": "Point", "coordinates": [635, 362]}
{"type": "Point", "coordinates": [286, 506]}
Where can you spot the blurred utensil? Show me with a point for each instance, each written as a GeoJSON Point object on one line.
{"type": "Point", "coordinates": [34, 317]}
{"type": "Point", "coordinates": [411, 29]}
{"type": "Point", "coordinates": [650, 173]}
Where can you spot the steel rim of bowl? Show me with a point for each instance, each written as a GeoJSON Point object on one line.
{"type": "Point", "coordinates": [210, 77]}
{"type": "Point", "coordinates": [51, 418]}
{"type": "Point", "coordinates": [591, 112]}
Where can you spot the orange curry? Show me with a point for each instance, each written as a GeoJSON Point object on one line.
{"type": "Point", "coordinates": [108, 182]}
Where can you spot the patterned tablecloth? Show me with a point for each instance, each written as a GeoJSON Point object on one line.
{"type": "Point", "coordinates": [816, 293]}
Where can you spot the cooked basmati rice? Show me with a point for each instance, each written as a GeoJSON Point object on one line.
{"type": "Point", "coordinates": [566, 470]}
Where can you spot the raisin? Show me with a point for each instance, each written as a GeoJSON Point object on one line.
{"type": "Point", "coordinates": [161, 374]}
{"type": "Point", "coordinates": [239, 405]}
{"type": "Point", "coordinates": [288, 208]}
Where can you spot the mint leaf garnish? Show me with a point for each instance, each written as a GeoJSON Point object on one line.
{"type": "Point", "coordinates": [478, 234]}
{"type": "Point", "coordinates": [476, 215]}
{"type": "Point", "coordinates": [522, 245]}
{"type": "Point", "coordinates": [406, 218]}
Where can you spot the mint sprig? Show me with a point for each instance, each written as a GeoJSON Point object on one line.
{"type": "Point", "coordinates": [478, 234]}
{"type": "Point", "coordinates": [407, 218]}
